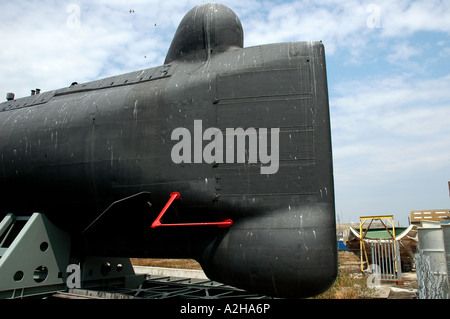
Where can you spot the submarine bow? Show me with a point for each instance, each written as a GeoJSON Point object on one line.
{"type": "Point", "coordinates": [242, 135]}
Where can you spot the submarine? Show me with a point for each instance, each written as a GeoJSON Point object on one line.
{"type": "Point", "coordinates": [222, 154]}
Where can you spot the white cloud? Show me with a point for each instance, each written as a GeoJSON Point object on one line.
{"type": "Point", "coordinates": [403, 52]}
{"type": "Point", "coordinates": [390, 137]}
{"type": "Point", "coordinates": [354, 27]}
{"type": "Point", "coordinates": [44, 50]}
{"type": "Point", "coordinates": [376, 109]}
{"type": "Point", "coordinates": [52, 44]}
{"type": "Point", "coordinates": [403, 18]}
{"type": "Point", "coordinates": [335, 23]}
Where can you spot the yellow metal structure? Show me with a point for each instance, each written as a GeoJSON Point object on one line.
{"type": "Point", "coordinates": [362, 246]}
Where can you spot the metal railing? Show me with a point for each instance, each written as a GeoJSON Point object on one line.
{"type": "Point", "coordinates": [386, 257]}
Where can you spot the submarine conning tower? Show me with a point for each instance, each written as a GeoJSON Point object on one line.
{"type": "Point", "coordinates": [206, 29]}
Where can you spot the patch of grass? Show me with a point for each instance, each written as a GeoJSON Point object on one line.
{"type": "Point", "coordinates": [348, 286]}
{"type": "Point", "coordinates": [350, 282]}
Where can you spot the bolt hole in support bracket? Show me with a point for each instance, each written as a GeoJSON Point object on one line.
{"type": "Point", "coordinates": [176, 195]}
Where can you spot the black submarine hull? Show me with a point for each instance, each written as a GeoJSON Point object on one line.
{"type": "Point", "coordinates": [98, 160]}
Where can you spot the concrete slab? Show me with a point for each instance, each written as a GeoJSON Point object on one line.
{"type": "Point", "coordinates": [382, 292]}
{"type": "Point", "coordinates": [172, 272]}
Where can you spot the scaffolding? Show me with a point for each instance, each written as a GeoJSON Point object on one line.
{"type": "Point", "coordinates": [385, 255]}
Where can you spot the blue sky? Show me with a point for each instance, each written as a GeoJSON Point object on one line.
{"type": "Point", "coordinates": [388, 77]}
